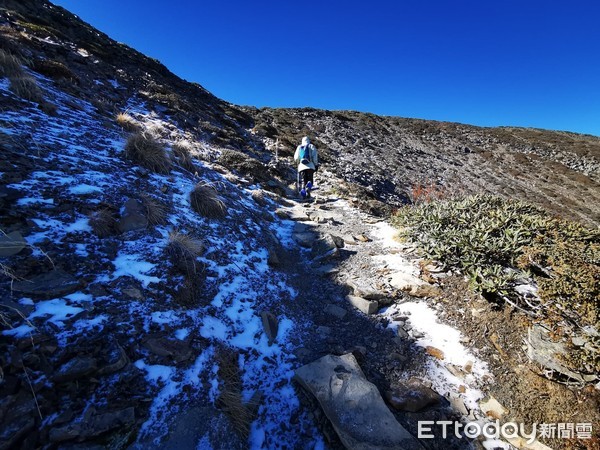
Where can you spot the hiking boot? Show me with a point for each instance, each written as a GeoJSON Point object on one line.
{"type": "Point", "coordinates": [309, 185]}
{"type": "Point", "coordinates": [303, 193]}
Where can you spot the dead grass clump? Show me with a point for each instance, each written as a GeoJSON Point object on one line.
{"type": "Point", "coordinates": [10, 65]}
{"type": "Point", "coordinates": [230, 399]}
{"type": "Point", "coordinates": [183, 250]}
{"type": "Point", "coordinates": [128, 123]}
{"type": "Point", "coordinates": [156, 212]}
{"type": "Point", "coordinates": [103, 222]}
{"type": "Point", "coordinates": [259, 197]}
{"type": "Point", "coordinates": [27, 88]}
{"type": "Point", "coordinates": [145, 150]}
{"type": "Point", "coordinates": [206, 202]}
{"type": "Point", "coordinates": [54, 69]}
{"type": "Point", "coordinates": [183, 152]}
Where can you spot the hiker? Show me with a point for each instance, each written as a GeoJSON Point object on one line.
{"type": "Point", "coordinates": [308, 163]}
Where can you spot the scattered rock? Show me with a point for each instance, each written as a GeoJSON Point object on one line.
{"type": "Point", "coordinates": [542, 349]}
{"type": "Point", "coordinates": [458, 404]}
{"type": "Point", "coordinates": [412, 285]}
{"type": "Point", "coordinates": [270, 325]}
{"type": "Point", "coordinates": [134, 293]}
{"type": "Point", "coordinates": [133, 216]}
{"type": "Point", "coordinates": [304, 239]}
{"type": "Point", "coordinates": [353, 404]}
{"type": "Point", "coordinates": [78, 367]}
{"type": "Point", "coordinates": [362, 238]}
{"type": "Point", "coordinates": [362, 289]}
{"type": "Point", "coordinates": [55, 283]}
{"type": "Point", "coordinates": [492, 408]}
{"type": "Point", "coordinates": [176, 349]}
{"type": "Point", "coordinates": [335, 310]}
{"type": "Point", "coordinates": [435, 352]}
{"type": "Point", "coordinates": [349, 239]}
{"type": "Point", "coordinates": [115, 359]}
{"type": "Point", "coordinates": [412, 395]}
{"type": "Point", "coordinates": [402, 333]}
{"type": "Point", "coordinates": [11, 244]}
{"type": "Point", "coordinates": [364, 305]}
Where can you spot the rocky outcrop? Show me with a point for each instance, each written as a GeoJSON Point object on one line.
{"type": "Point", "coordinates": [354, 405]}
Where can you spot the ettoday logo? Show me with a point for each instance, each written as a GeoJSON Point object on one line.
{"type": "Point", "coordinates": [428, 429]}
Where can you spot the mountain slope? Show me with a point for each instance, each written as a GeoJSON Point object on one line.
{"type": "Point", "coordinates": [388, 156]}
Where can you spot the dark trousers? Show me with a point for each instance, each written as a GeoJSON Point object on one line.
{"type": "Point", "coordinates": [306, 176]}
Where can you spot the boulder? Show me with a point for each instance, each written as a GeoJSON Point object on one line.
{"type": "Point", "coordinates": [364, 305]}
{"type": "Point", "coordinates": [412, 395]}
{"type": "Point", "coordinates": [325, 245]}
{"type": "Point", "coordinates": [175, 349]}
{"type": "Point", "coordinates": [55, 283]}
{"type": "Point", "coordinates": [353, 405]}
{"type": "Point", "coordinates": [133, 216]}
{"type": "Point", "coordinates": [11, 244]}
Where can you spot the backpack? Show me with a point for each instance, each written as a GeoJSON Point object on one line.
{"type": "Point", "coordinates": [305, 154]}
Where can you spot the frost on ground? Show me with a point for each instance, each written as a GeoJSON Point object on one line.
{"type": "Point", "coordinates": [129, 289]}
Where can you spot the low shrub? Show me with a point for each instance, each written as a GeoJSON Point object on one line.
{"type": "Point", "coordinates": [146, 151]}
{"type": "Point", "coordinates": [54, 69]}
{"type": "Point", "coordinates": [27, 88]}
{"type": "Point", "coordinates": [206, 202]}
{"type": "Point", "coordinates": [497, 242]}
{"type": "Point", "coordinates": [243, 164]}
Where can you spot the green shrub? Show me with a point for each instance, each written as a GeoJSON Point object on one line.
{"type": "Point", "coordinates": [145, 150]}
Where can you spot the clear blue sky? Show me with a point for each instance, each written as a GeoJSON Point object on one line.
{"type": "Point", "coordinates": [503, 62]}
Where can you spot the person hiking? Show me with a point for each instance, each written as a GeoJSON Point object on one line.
{"type": "Point", "coordinates": [308, 163]}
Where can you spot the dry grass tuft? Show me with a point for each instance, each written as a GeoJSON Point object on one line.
{"type": "Point", "coordinates": [183, 152]}
{"type": "Point", "coordinates": [103, 222]}
{"type": "Point", "coordinates": [230, 400]}
{"type": "Point", "coordinates": [145, 150]}
{"type": "Point", "coordinates": [27, 88]}
{"type": "Point", "coordinates": [156, 212]}
{"type": "Point", "coordinates": [128, 123]}
{"type": "Point", "coordinates": [259, 197]}
{"type": "Point", "coordinates": [206, 202]}
{"type": "Point", "coordinates": [10, 65]}
{"type": "Point", "coordinates": [183, 250]}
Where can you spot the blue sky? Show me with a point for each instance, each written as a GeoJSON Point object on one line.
{"type": "Point", "coordinates": [504, 62]}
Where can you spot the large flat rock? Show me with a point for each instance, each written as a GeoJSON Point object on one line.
{"type": "Point", "coordinates": [354, 405]}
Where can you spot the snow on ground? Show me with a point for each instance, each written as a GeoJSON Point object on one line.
{"type": "Point", "coordinates": [235, 260]}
